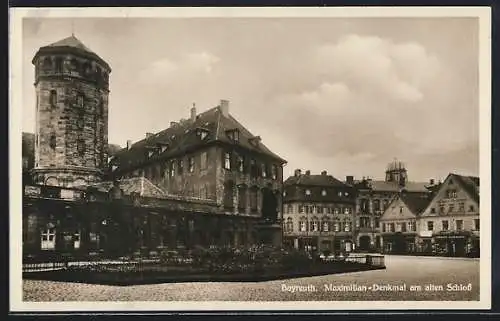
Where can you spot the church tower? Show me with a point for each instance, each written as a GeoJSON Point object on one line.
{"type": "Point", "coordinates": [396, 172]}
{"type": "Point", "coordinates": [71, 137]}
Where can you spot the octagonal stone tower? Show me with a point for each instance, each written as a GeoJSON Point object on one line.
{"type": "Point", "coordinates": [71, 138]}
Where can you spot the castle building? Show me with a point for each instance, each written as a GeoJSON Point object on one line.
{"type": "Point", "coordinates": [373, 198]}
{"type": "Point", "coordinates": [202, 181]}
{"type": "Point", "coordinates": [71, 137]}
{"type": "Point", "coordinates": [318, 212]}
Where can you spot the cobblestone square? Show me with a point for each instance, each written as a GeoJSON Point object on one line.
{"type": "Point", "coordinates": [435, 273]}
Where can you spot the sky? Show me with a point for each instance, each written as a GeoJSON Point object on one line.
{"type": "Point", "coordinates": [345, 95]}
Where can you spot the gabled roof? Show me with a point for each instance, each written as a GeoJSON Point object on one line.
{"type": "Point", "coordinates": [184, 136]}
{"type": "Point", "coordinates": [469, 183]}
{"type": "Point", "coordinates": [416, 203]}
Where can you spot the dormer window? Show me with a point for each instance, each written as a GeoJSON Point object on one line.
{"type": "Point", "coordinates": [255, 141]}
{"type": "Point", "coordinates": [233, 134]}
{"type": "Point", "coordinates": [202, 133]}
{"type": "Point", "coordinates": [162, 147]}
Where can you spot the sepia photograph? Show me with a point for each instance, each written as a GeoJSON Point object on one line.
{"type": "Point", "coordinates": [250, 158]}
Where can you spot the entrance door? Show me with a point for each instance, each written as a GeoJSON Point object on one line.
{"type": "Point", "coordinates": [364, 243]}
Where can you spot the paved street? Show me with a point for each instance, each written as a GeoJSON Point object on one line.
{"type": "Point", "coordinates": [372, 285]}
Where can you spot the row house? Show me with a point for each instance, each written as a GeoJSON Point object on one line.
{"type": "Point", "coordinates": [444, 223]}
{"type": "Point", "coordinates": [374, 197]}
{"type": "Point", "coordinates": [318, 212]}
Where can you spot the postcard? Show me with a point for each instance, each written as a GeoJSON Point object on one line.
{"type": "Point", "coordinates": [250, 159]}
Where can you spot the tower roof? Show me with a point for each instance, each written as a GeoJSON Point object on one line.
{"type": "Point", "coordinates": [395, 165]}
{"type": "Point", "coordinates": [71, 43]}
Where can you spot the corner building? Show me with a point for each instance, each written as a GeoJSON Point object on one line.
{"type": "Point", "coordinates": [318, 212]}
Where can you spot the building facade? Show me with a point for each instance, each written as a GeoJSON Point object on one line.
{"type": "Point", "coordinates": [203, 181]}
{"type": "Point", "coordinates": [373, 198]}
{"type": "Point", "coordinates": [450, 224]}
{"type": "Point", "coordinates": [318, 212]}
{"type": "Point", "coordinates": [400, 223]}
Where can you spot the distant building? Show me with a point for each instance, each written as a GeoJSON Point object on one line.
{"type": "Point", "coordinates": [373, 198]}
{"type": "Point", "coordinates": [450, 224]}
{"type": "Point", "coordinates": [400, 222]}
{"type": "Point", "coordinates": [318, 212]}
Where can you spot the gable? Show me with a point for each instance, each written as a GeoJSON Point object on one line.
{"type": "Point", "coordinates": [452, 194]}
{"type": "Point", "coordinates": [397, 210]}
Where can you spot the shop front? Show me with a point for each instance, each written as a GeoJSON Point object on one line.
{"type": "Point", "coordinates": [456, 243]}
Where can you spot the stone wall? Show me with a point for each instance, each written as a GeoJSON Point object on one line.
{"type": "Point", "coordinates": [72, 121]}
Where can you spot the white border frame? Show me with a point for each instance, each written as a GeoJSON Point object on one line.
{"type": "Point", "coordinates": [15, 112]}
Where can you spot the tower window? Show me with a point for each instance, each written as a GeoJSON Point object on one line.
{"type": "Point", "coordinates": [53, 141]}
{"type": "Point", "coordinates": [79, 101]}
{"type": "Point", "coordinates": [59, 64]}
{"type": "Point", "coordinates": [53, 98]}
{"type": "Point", "coordinates": [81, 147]}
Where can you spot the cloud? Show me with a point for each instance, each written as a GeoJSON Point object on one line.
{"type": "Point", "coordinates": [188, 67]}
{"type": "Point", "coordinates": [379, 66]}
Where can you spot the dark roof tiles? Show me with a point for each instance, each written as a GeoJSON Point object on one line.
{"type": "Point", "coordinates": [186, 135]}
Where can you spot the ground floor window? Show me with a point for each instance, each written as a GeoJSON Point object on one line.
{"type": "Point", "coordinates": [48, 238]}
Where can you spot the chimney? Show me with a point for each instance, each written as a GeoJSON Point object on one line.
{"type": "Point", "coordinates": [129, 144]}
{"type": "Point", "coordinates": [308, 172]}
{"type": "Point", "coordinates": [193, 113]}
{"type": "Point", "coordinates": [149, 135]}
{"type": "Point", "coordinates": [349, 179]}
{"type": "Point", "coordinates": [323, 173]}
{"type": "Point", "coordinates": [431, 181]}
{"type": "Point", "coordinates": [298, 172]}
{"type": "Point", "coordinates": [224, 107]}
